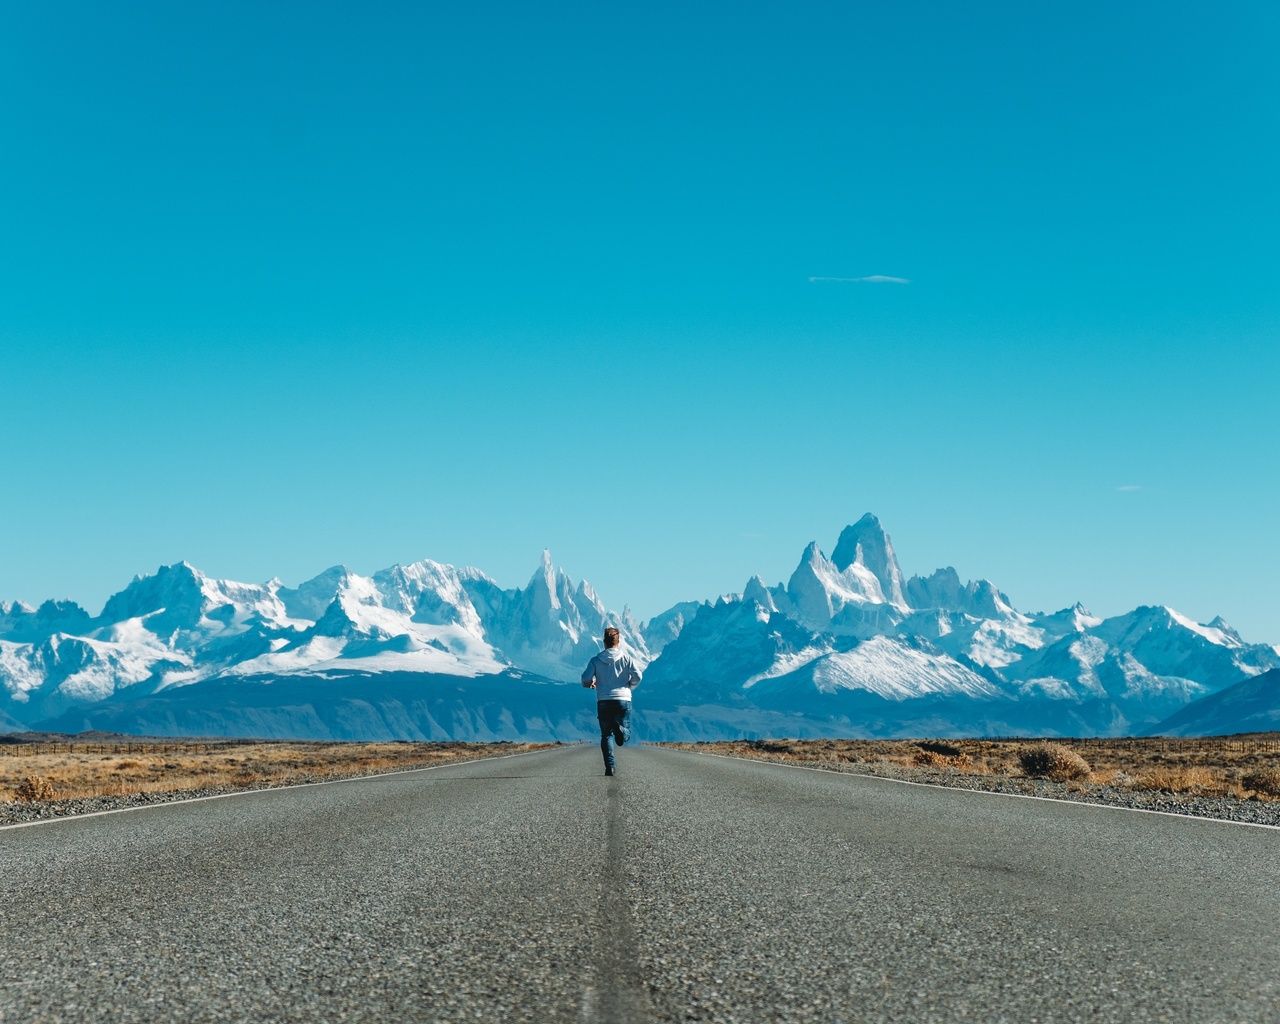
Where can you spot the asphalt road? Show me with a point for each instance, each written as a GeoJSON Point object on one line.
{"type": "Point", "coordinates": [688, 888]}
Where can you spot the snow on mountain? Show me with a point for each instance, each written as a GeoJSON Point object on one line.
{"type": "Point", "coordinates": [551, 627]}
{"type": "Point", "coordinates": [1171, 644]}
{"type": "Point", "coordinates": [179, 628]}
{"type": "Point", "coordinates": [851, 625]}
{"type": "Point", "coordinates": [848, 645]}
{"type": "Point", "coordinates": [866, 544]}
{"type": "Point", "coordinates": [739, 654]}
{"type": "Point", "coordinates": [724, 650]}
{"type": "Point", "coordinates": [1075, 619]}
{"type": "Point", "coordinates": [991, 642]}
{"type": "Point", "coordinates": [819, 592]}
{"type": "Point", "coordinates": [1085, 669]}
{"type": "Point", "coordinates": [896, 670]}
{"type": "Point", "coordinates": [309, 600]}
{"type": "Point", "coordinates": [415, 618]}
{"type": "Point", "coordinates": [42, 679]}
{"type": "Point", "coordinates": [182, 607]}
{"type": "Point", "coordinates": [662, 629]}
{"type": "Point", "coordinates": [23, 624]}
{"type": "Point", "coordinates": [943, 589]}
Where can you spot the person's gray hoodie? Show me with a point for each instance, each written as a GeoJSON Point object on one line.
{"type": "Point", "coordinates": [613, 672]}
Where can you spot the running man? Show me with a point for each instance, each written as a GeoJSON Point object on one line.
{"type": "Point", "coordinates": [612, 675]}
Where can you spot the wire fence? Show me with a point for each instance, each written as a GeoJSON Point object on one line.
{"type": "Point", "coordinates": [16, 747]}
{"type": "Point", "coordinates": [27, 749]}
{"type": "Point", "coordinates": [1265, 743]}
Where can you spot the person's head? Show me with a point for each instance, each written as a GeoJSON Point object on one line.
{"type": "Point", "coordinates": [611, 637]}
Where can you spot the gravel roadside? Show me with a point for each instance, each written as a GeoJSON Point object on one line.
{"type": "Point", "coordinates": [1250, 811]}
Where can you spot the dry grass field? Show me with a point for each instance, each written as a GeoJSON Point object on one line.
{"type": "Point", "coordinates": [1240, 766]}
{"type": "Point", "coordinates": [72, 770]}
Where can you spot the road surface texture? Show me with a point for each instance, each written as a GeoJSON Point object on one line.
{"type": "Point", "coordinates": [688, 888]}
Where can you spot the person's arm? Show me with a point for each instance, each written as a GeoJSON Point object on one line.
{"type": "Point", "coordinates": [589, 676]}
{"type": "Point", "coordinates": [635, 676]}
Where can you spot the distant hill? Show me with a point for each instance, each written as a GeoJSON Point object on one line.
{"type": "Point", "coordinates": [1252, 705]}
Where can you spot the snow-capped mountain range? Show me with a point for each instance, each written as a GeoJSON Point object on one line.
{"type": "Point", "coordinates": [179, 628]}
{"type": "Point", "coordinates": [847, 646]}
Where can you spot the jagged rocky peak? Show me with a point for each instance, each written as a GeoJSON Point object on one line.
{"type": "Point", "coordinates": [1083, 619]}
{"type": "Point", "coordinates": [665, 627]}
{"type": "Point", "coordinates": [980, 598]}
{"type": "Point", "coordinates": [1075, 619]}
{"type": "Point", "coordinates": [818, 591]}
{"type": "Point", "coordinates": [755, 590]}
{"type": "Point", "coordinates": [1224, 627]}
{"type": "Point", "coordinates": [630, 624]}
{"type": "Point", "coordinates": [939, 590]}
{"type": "Point", "coordinates": [809, 589]}
{"type": "Point", "coordinates": [311, 599]}
{"type": "Point", "coordinates": [586, 597]}
{"type": "Point", "coordinates": [431, 593]}
{"type": "Point", "coordinates": [338, 620]}
{"type": "Point", "coordinates": [813, 555]}
{"type": "Point", "coordinates": [543, 592]}
{"type": "Point", "coordinates": [176, 589]}
{"type": "Point", "coordinates": [20, 622]}
{"type": "Point", "coordinates": [554, 613]}
{"type": "Point", "coordinates": [865, 543]}
{"type": "Point", "coordinates": [986, 601]}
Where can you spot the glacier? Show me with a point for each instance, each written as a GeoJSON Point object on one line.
{"type": "Point", "coordinates": [847, 646]}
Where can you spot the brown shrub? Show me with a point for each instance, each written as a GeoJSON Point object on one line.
{"type": "Point", "coordinates": [787, 747]}
{"type": "Point", "coordinates": [1264, 780]}
{"type": "Point", "coordinates": [1182, 779]}
{"type": "Point", "coordinates": [1053, 761]}
{"type": "Point", "coordinates": [35, 787]}
{"type": "Point", "coordinates": [932, 758]}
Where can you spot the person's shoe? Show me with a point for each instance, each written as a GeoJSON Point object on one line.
{"type": "Point", "coordinates": [611, 771]}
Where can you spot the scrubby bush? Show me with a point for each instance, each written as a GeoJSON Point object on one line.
{"type": "Point", "coordinates": [941, 747]}
{"type": "Point", "coordinates": [1183, 779]}
{"type": "Point", "coordinates": [1054, 762]}
{"type": "Point", "coordinates": [776, 746]}
{"type": "Point", "coordinates": [930, 757]}
{"type": "Point", "coordinates": [1264, 780]}
{"type": "Point", "coordinates": [35, 787]}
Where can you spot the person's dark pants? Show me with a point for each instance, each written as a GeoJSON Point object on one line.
{"type": "Point", "coordinates": [615, 726]}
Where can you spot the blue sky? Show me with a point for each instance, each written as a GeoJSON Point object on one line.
{"type": "Point", "coordinates": [284, 285]}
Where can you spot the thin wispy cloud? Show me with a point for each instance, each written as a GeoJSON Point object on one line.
{"type": "Point", "coordinates": [1131, 487]}
{"type": "Point", "coordinates": [873, 279]}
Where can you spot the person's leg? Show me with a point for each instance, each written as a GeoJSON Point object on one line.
{"type": "Point", "coordinates": [622, 724]}
{"type": "Point", "coordinates": [604, 713]}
